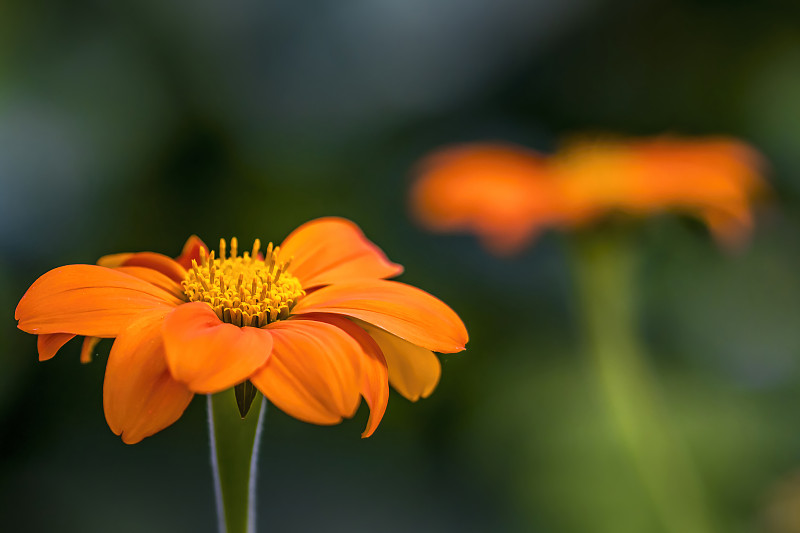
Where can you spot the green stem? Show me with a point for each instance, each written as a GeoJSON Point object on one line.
{"type": "Point", "coordinates": [605, 266]}
{"type": "Point", "coordinates": [234, 459]}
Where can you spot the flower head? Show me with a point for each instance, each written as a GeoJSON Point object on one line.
{"type": "Point", "coordinates": [312, 323]}
{"type": "Point", "coordinates": [714, 179]}
{"type": "Point", "coordinates": [506, 195]}
{"type": "Point", "coordinates": [502, 193]}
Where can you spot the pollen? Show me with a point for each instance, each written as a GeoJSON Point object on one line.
{"type": "Point", "coordinates": [252, 289]}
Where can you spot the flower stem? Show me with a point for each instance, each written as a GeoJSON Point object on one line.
{"type": "Point", "coordinates": [234, 459]}
{"type": "Point", "coordinates": [605, 272]}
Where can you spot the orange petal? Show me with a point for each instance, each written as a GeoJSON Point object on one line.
{"type": "Point", "coordinates": [191, 250]}
{"type": "Point", "coordinates": [208, 354]}
{"type": "Point", "coordinates": [314, 372]}
{"type": "Point", "coordinates": [140, 397]}
{"type": "Point", "coordinates": [89, 344]}
{"type": "Point", "coordinates": [333, 250]}
{"type": "Point", "coordinates": [151, 260]}
{"type": "Point", "coordinates": [403, 310]}
{"type": "Point", "coordinates": [156, 278]}
{"type": "Point", "coordinates": [731, 230]}
{"type": "Point", "coordinates": [87, 300]}
{"type": "Point", "coordinates": [374, 378]}
{"type": "Point", "coordinates": [114, 260]}
{"type": "Point", "coordinates": [413, 371]}
{"type": "Point", "coordinates": [50, 343]}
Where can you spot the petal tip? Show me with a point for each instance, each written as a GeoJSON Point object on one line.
{"type": "Point", "coordinates": [398, 269]}
{"type": "Point", "coordinates": [131, 440]}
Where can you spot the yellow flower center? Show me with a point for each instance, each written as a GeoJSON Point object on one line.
{"type": "Point", "coordinates": [244, 290]}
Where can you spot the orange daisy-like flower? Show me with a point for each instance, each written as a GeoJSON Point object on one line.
{"type": "Point", "coordinates": [714, 179]}
{"type": "Point", "coordinates": [313, 324]}
{"type": "Point", "coordinates": [507, 195]}
{"type": "Point", "coordinates": [501, 193]}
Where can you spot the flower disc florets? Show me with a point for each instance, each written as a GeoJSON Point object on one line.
{"type": "Point", "coordinates": [244, 290]}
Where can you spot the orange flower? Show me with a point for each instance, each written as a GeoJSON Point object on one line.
{"type": "Point", "coordinates": [715, 179]}
{"type": "Point", "coordinates": [506, 195]}
{"type": "Point", "coordinates": [312, 324]}
{"type": "Point", "coordinates": [503, 194]}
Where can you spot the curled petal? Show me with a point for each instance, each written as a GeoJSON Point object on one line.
{"type": "Point", "coordinates": [140, 397]}
{"type": "Point", "coordinates": [209, 355]}
{"type": "Point", "coordinates": [87, 300]}
{"type": "Point", "coordinates": [191, 250]}
{"type": "Point", "coordinates": [413, 371]}
{"type": "Point", "coordinates": [89, 344]}
{"type": "Point", "coordinates": [334, 250]}
{"type": "Point", "coordinates": [314, 372]}
{"type": "Point", "coordinates": [405, 311]}
{"type": "Point", "coordinates": [50, 343]}
{"type": "Point", "coordinates": [154, 261]}
{"type": "Point", "coordinates": [732, 230]}
{"type": "Point", "coordinates": [374, 375]}
{"type": "Point", "coordinates": [114, 260]}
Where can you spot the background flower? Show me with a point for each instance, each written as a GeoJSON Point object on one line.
{"type": "Point", "coordinates": [507, 194]}
{"type": "Point", "coordinates": [504, 194]}
{"type": "Point", "coordinates": [715, 179]}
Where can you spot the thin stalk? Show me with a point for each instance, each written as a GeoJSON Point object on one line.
{"type": "Point", "coordinates": [234, 459]}
{"type": "Point", "coordinates": [605, 272]}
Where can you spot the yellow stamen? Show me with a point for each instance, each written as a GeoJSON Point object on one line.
{"type": "Point", "coordinates": [246, 290]}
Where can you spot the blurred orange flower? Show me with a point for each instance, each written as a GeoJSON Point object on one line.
{"type": "Point", "coordinates": [312, 324]}
{"type": "Point", "coordinates": [506, 194]}
{"type": "Point", "coordinates": [714, 179]}
{"type": "Point", "coordinates": [502, 193]}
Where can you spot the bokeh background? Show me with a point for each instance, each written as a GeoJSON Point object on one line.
{"type": "Point", "coordinates": [128, 126]}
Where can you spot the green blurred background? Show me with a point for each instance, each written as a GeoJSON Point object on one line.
{"type": "Point", "coordinates": [128, 126]}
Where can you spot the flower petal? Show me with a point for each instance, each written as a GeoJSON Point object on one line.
{"type": "Point", "coordinates": [156, 278]}
{"type": "Point", "coordinates": [413, 371]}
{"type": "Point", "coordinates": [191, 250]}
{"type": "Point", "coordinates": [89, 344]}
{"type": "Point", "coordinates": [208, 354]}
{"type": "Point", "coordinates": [405, 311]}
{"type": "Point", "coordinates": [313, 373]}
{"type": "Point", "coordinates": [140, 397]}
{"type": "Point", "coordinates": [87, 300]}
{"type": "Point", "coordinates": [333, 250]}
{"type": "Point", "coordinates": [114, 260]}
{"type": "Point", "coordinates": [50, 343]}
{"type": "Point", "coordinates": [154, 261]}
{"type": "Point", "coordinates": [374, 378]}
